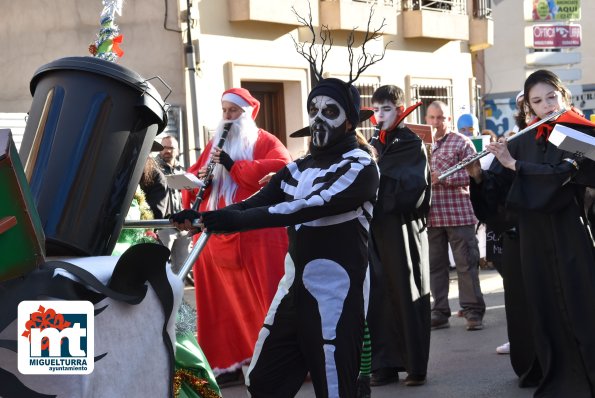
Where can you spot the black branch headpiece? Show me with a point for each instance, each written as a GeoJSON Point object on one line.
{"type": "Point", "coordinates": [311, 53]}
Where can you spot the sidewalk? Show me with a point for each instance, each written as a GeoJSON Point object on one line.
{"type": "Point", "coordinates": [491, 282]}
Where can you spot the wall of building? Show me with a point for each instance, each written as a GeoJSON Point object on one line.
{"type": "Point", "coordinates": [36, 32]}
{"type": "Point", "coordinates": [505, 68]}
{"type": "Point", "coordinates": [228, 49]}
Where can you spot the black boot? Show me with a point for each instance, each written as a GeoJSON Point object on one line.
{"type": "Point", "coordinates": [363, 386]}
{"type": "Point", "coordinates": [384, 376]}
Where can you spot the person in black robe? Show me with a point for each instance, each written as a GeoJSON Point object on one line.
{"type": "Point", "coordinates": [503, 223]}
{"type": "Point", "coordinates": [546, 187]}
{"type": "Point", "coordinates": [399, 311]}
{"type": "Point", "coordinates": [489, 208]}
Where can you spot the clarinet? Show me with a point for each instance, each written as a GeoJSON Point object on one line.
{"type": "Point", "coordinates": [210, 168]}
{"type": "Point", "coordinates": [377, 130]}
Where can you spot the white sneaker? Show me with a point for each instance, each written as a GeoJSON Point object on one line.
{"type": "Point", "coordinates": [503, 349]}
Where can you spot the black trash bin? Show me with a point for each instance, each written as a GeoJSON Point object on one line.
{"type": "Point", "coordinates": [88, 135]}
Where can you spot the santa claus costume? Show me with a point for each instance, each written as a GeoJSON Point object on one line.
{"type": "Point", "coordinates": [237, 274]}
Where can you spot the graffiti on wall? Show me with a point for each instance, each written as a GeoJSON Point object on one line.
{"type": "Point", "coordinates": [499, 115]}
{"type": "Point", "coordinates": [585, 102]}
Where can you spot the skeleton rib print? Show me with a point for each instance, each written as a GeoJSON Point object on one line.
{"type": "Point", "coordinates": [318, 186]}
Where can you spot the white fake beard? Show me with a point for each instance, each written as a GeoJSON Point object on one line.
{"type": "Point", "coordinates": [238, 147]}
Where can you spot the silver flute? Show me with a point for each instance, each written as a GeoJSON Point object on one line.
{"type": "Point", "coordinates": [464, 163]}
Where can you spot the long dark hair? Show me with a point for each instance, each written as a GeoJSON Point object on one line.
{"type": "Point", "coordinates": [521, 116]}
{"type": "Point", "coordinates": [364, 145]}
{"type": "Point", "coordinates": [544, 76]}
{"type": "Point", "coordinates": [150, 172]}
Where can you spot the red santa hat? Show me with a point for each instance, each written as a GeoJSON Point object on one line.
{"type": "Point", "coordinates": [242, 98]}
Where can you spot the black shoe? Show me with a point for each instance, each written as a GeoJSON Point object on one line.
{"type": "Point", "coordinates": [474, 322]}
{"type": "Point", "coordinates": [363, 387]}
{"type": "Point", "coordinates": [384, 376]}
{"type": "Point", "coordinates": [439, 321]}
{"type": "Point", "coordinates": [415, 380]}
{"type": "Point", "coordinates": [228, 379]}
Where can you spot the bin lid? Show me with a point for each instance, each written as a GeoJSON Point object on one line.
{"type": "Point", "coordinates": [106, 68]}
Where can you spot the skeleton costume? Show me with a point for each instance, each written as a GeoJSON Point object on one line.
{"type": "Point", "coordinates": [315, 323]}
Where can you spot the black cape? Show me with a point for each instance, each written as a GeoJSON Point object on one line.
{"type": "Point", "coordinates": [557, 258]}
{"type": "Point", "coordinates": [488, 205]}
{"type": "Point", "coordinates": [399, 311]}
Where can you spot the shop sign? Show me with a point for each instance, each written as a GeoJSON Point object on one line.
{"type": "Point", "coordinates": [556, 36]}
{"type": "Point", "coordinates": [556, 10]}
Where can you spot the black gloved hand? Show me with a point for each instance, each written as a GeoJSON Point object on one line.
{"type": "Point", "coordinates": [226, 160]}
{"type": "Point", "coordinates": [184, 215]}
{"type": "Point", "coordinates": [221, 221]}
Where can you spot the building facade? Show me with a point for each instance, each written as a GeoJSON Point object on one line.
{"type": "Point", "coordinates": [432, 50]}
{"type": "Point", "coordinates": [526, 38]}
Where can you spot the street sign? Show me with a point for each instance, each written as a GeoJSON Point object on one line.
{"type": "Point", "coordinates": [556, 36]}
{"type": "Point", "coordinates": [575, 90]}
{"type": "Point", "coordinates": [565, 74]}
{"type": "Point", "coordinates": [545, 58]}
{"type": "Point", "coordinates": [552, 10]}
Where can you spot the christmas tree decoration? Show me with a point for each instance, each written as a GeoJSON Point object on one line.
{"type": "Point", "coordinates": [107, 45]}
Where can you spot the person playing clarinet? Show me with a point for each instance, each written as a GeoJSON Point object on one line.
{"type": "Point", "coordinates": [544, 187]}
{"type": "Point", "coordinates": [236, 275]}
{"type": "Point", "coordinates": [399, 310]}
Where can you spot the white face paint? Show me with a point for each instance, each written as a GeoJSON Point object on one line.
{"type": "Point", "coordinates": [385, 113]}
{"type": "Point", "coordinates": [327, 121]}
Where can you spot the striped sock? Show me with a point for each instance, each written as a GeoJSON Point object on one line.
{"type": "Point", "coordinates": [365, 367]}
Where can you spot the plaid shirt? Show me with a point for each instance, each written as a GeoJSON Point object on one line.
{"type": "Point", "coordinates": [451, 203]}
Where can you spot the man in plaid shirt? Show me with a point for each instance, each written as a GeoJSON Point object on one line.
{"type": "Point", "coordinates": [451, 220]}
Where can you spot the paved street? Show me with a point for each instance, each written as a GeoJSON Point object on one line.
{"type": "Point", "coordinates": [462, 364]}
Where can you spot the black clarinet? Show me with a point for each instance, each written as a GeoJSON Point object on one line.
{"type": "Point", "coordinates": [210, 168]}
{"type": "Point", "coordinates": [377, 130]}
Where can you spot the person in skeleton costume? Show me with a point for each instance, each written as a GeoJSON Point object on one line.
{"type": "Point", "coordinates": [237, 274]}
{"type": "Point", "coordinates": [315, 323]}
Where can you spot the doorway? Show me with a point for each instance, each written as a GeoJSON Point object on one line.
{"type": "Point", "coordinates": [271, 116]}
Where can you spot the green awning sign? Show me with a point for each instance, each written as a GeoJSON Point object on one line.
{"type": "Point", "coordinates": [556, 10]}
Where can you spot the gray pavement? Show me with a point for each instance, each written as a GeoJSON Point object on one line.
{"type": "Point", "coordinates": [462, 364]}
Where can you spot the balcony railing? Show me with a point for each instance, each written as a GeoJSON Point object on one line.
{"type": "Point", "coordinates": [437, 19]}
{"type": "Point", "coordinates": [482, 8]}
{"type": "Point", "coordinates": [388, 3]}
{"type": "Point", "coordinates": [450, 6]}
{"type": "Point", "coordinates": [354, 15]}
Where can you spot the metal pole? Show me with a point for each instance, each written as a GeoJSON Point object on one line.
{"type": "Point", "coordinates": [191, 259]}
{"type": "Point", "coordinates": [159, 223]}
{"type": "Point", "coordinates": [145, 224]}
{"type": "Point", "coordinates": [164, 223]}
{"type": "Point", "coordinates": [191, 70]}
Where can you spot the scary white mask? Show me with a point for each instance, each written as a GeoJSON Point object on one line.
{"type": "Point", "coordinates": [327, 121]}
